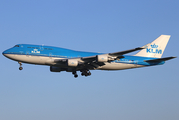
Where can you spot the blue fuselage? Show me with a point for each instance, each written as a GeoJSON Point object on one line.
{"type": "Point", "coordinates": [57, 52]}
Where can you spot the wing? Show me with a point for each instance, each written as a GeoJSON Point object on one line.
{"type": "Point", "coordinates": [125, 52]}
{"type": "Point", "coordinates": [93, 62]}
{"type": "Point", "coordinates": [110, 56]}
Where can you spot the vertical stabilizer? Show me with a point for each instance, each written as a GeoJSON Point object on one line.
{"type": "Point", "coordinates": [156, 48]}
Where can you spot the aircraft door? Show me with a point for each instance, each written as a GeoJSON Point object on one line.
{"type": "Point", "coordinates": [27, 53]}
{"type": "Point", "coordinates": [41, 48]}
{"type": "Point", "coordinates": [50, 55]}
{"type": "Point", "coordinates": [135, 63]}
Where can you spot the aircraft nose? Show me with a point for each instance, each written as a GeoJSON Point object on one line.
{"type": "Point", "coordinates": [5, 52]}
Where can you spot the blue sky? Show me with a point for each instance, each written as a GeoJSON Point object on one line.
{"type": "Point", "coordinates": [97, 26]}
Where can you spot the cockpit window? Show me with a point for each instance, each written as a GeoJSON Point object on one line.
{"type": "Point", "coordinates": [16, 46]}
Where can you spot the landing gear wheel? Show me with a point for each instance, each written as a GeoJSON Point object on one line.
{"type": "Point", "coordinates": [89, 73]}
{"type": "Point", "coordinates": [85, 73]}
{"type": "Point", "coordinates": [74, 72]}
{"type": "Point", "coordinates": [75, 76]}
{"type": "Point", "coordinates": [82, 74]}
{"type": "Point", "coordinates": [20, 68]}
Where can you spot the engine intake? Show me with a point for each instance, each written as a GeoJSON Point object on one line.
{"type": "Point", "coordinates": [72, 63]}
{"type": "Point", "coordinates": [102, 58]}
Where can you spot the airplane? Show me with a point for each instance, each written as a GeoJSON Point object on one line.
{"type": "Point", "coordinates": [61, 59]}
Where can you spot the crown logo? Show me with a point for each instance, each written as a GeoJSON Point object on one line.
{"type": "Point", "coordinates": [35, 51]}
{"type": "Point", "coordinates": [154, 46]}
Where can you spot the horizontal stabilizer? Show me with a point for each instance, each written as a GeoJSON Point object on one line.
{"type": "Point", "coordinates": [160, 59]}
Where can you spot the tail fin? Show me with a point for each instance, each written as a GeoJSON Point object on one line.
{"type": "Point", "coordinates": [156, 48]}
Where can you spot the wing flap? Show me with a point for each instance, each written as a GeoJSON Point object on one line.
{"type": "Point", "coordinates": [88, 59]}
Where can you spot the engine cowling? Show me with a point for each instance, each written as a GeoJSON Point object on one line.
{"type": "Point", "coordinates": [55, 69]}
{"type": "Point", "coordinates": [102, 58]}
{"type": "Point", "coordinates": [72, 63]}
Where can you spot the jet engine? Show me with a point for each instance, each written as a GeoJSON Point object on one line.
{"type": "Point", "coordinates": [102, 58]}
{"type": "Point", "coordinates": [72, 63]}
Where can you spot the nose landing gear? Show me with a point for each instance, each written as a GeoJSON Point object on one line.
{"type": "Point", "coordinates": [20, 68]}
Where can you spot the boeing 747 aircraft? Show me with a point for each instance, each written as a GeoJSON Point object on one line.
{"type": "Point", "coordinates": [60, 59]}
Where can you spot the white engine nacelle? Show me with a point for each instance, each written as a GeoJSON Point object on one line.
{"type": "Point", "coordinates": [72, 63]}
{"type": "Point", "coordinates": [102, 58]}
{"type": "Point", "coordinates": [55, 69]}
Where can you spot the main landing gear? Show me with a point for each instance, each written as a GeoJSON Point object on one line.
{"type": "Point", "coordinates": [20, 68]}
{"type": "Point", "coordinates": [75, 74]}
{"type": "Point", "coordinates": [83, 73]}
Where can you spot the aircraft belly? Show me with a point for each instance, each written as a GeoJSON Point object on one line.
{"type": "Point", "coordinates": [117, 66]}
{"type": "Point", "coordinates": [41, 60]}
{"type": "Point", "coordinates": [28, 58]}
{"type": "Point", "coordinates": [11, 56]}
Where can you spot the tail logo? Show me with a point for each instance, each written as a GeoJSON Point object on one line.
{"type": "Point", "coordinates": [154, 49]}
{"type": "Point", "coordinates": [154, 46]}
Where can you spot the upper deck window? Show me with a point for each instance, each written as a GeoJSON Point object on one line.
{"type": "Point", "coordinates": [34, 47]}
{"type": "Point", "coordinates": [16, 46]}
